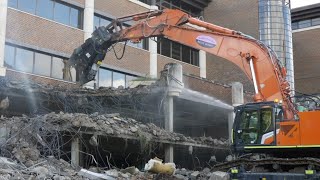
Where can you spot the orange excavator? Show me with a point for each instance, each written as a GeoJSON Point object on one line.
{"type": "Point", "coordinates": [270, 124]}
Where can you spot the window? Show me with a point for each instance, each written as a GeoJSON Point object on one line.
{"type": "Point", "coordinates": [50, 9]}
{"type": "Point", "coordinates": [315, 21]}
{"type": "Point", "coordinates": [305, 23]}
{"type": "Point", "coordinates": [178, 51]}
{"type": "Point", "coordinates": [61, 13]}
{"type": "Point", "coordinates": [105, 78]}
{"type": "Point", "coordinates": [101, 21]}
{"type": "Point", "coordinates": [42, 64]}
{"type": "Point", "coordinates": [110, 78]}
{"type": "Point", "coordinates": [74, 17]}
{"type": "Point", "coordinates": [24, 60]}
{"type": "Point", "coordinates": [45, 8]}
{"type": "Point", "coordinates": [39, 63]}
{"type": "Point", "coordinates": [9, 56]}
{"type": "Point", "coordinates": [57, 68]}
{"type": "Point", "coordinates": [129, 80]}
{"type": "Point", "coordinates": [27, 5]}
{"type": "Point", "coordinates": [13, 3]}
{"type": "Point", "coordinates": [118, 79]}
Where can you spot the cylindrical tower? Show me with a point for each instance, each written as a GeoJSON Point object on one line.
{"type": "Point", "coordinates": [275, 31]}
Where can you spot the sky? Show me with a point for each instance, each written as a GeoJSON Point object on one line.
{"type": "Point", "coordinates": [299, 3]}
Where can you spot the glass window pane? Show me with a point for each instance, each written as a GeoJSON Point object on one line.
{"type": "Point", "coordinates": [186, 54]}
{"type": "Point", "coordinates": [27, 5]}
{"type": "Point", "coordinates": [61, 13]}
{"type": "Point", "coordinates": [42, 64]}
{"type": "Point", "coordinates": [315, 21]}
{"type": "Point", "coordinates": [105, 77]}
{"type": "Point", "coordinates": [118, 79]}
{"type": "Point", "coordinates": [129, 80]}
{"type": "Point", "coordinates": [24, 60]}
{"type": "Point", "coordinates": [176, 51]}
{"type": "Point", "coordinates": [74, 18]}
{"type": "Point", "coordinates": [9, 56]}
{"type": "Point", "coordinates": [104, 22]}
{"type": "Point", "coordinates": [57, 68]}
{"type": "Point", "coordinates": [195, 57]}
{"type": "Point", "coordinates": [96, 22]}
{"type": "Point", "coordinates": [13, 3]}
{"type": "Point", "coordinates": [304, 23]}
{"type": "Point", "coordinates": [165, 47]}
{"type": "Point", "coordinates": [45, 8]}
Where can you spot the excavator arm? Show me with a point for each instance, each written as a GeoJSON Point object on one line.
{"type": "Point", "coordinates": [255, 59]}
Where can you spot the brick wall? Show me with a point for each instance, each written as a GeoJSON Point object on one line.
{"type": "Point", "coordinates": [306, 56]}
{"type": "Point", "coordinates": [187, 68]}
{"type": "Point", "coordinates": [238, 15]}
{"type": "Point", "coordinates": [134, 59]}
{"type": "Point", "coordinates": [217, 90]}
{"type": "Point", "coordinates": [36, 31]}
{"type": "Point", "coordinates": [24, 77]}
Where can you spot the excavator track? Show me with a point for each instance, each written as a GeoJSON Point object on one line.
{"type": "Point", "coordinates": [293, 162]}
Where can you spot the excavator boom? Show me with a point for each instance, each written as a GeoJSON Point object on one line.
{"type": "Point", "coordinates": [254, 58]}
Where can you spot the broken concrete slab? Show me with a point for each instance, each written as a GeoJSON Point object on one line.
{"type": "Point", "coordinates": [219, 175]}
{"type": "Point", "coordinates": [94, 176]}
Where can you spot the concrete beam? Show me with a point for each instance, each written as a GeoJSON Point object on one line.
{"type": "Point", "coordinates": [3, 27]}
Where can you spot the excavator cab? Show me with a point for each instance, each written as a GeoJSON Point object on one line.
{"type": "Point", "coordinates": [255, 124]}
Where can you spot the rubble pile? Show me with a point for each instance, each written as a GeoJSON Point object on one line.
{"type": "Point", "coordinates": [111, 125]}
{"type": "Point", "coordinates": [27, 154]}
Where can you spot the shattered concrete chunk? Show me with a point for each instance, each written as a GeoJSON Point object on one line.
{"type": "Point", "coordinates": [93, 175]}
{"type": "Point", "coordinates": [194, 175]}
{"type": "Point", "coordinates": [219, 175]}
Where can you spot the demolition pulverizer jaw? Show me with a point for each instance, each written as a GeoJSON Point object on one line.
{"type": "Point", "coordinates": [89, 55]}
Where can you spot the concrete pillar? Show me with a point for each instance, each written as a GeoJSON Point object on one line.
{"type": "Point", "coordinates": [3, 23]}
{"type": "Point", "coordinates": [75, 152]}
{"type": "Point", "coordinates": [88, 21]}
{"type": "Point", "coordinates": [153, 51]}
{"type": "Point", "coordinates": [153, 58]}
{"type": "Point", "coordinates": [203, 64]}
{"type": "Point", "coordinates": [174, 90]}
{"type": "Point", "coordinates": [237, 99]}
{"type": "Point", "coordinates": [88, 18]}
{"type": "Point", "coordinates": [237, 94]}
{"type": "Point", "coordinates": [169, 127]}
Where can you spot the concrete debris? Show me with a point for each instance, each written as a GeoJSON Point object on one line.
{"type": "Point", "coordinates": [94, 176]}
{"type": "Point", "coordinates": [104, 125]}
{"type": "Point", "coordinates": [218, 175]}
{"type": "Point", "coordinates": [156, 166]}
{"type": "Point", "coordinates": [194, 175]}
